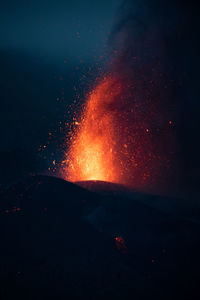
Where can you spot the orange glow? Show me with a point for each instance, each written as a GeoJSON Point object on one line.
{"type": "Point", "coordinates": [91, 155]}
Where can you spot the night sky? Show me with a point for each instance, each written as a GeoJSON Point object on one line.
{"type": "Point", "coordinates": [47, 48]}
{"type": "Point", "coordinates": [72, 30]}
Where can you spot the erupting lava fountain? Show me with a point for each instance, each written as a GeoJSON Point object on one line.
{"type": "Point", "coordinates": [92, 152]}
{"type": "Point", "coordinates": [123, 137]}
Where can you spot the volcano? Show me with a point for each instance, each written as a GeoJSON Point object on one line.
{"type": "Point", "coordinates": [96, 240]}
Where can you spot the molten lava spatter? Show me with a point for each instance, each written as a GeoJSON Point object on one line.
{"type": "Point", "coordinates": [92, 153]}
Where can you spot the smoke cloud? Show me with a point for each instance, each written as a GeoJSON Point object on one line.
{"type": "Point", "coordinates": [134, 118]}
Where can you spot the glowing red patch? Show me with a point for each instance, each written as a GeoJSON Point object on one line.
{"type": "Point", "coordinates": [120, 244]}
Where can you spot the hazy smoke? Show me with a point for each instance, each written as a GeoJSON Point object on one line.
{"type": "Point", "coordinates": [155, 45]}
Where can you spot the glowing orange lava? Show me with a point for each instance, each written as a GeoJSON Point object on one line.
{"type": "Point", "coordinates": [91, 155]}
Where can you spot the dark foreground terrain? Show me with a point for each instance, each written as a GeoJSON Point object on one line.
{"type": "Point", "coordinates": [62, 241]}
